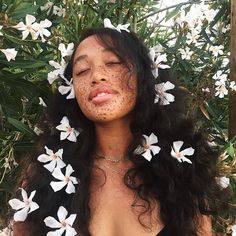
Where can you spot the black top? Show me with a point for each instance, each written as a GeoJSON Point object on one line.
{"type": "Point", "coordinates": [163, 232]}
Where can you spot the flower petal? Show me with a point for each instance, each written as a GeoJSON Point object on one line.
{"type": "Point", "coordinates": [147, 155]}
{"type": "Point", "coordinates": [70, 188]}
{"type": "Point", "coordinates": [177, 145]}
{"type": "Point", "coordinates": [33, 206]}
{"type": "Point", "coordinates": [155, 149]}
{"type": "Point", "coordinates": [21, 215]}
{"type": "Point", "coordinates": [188, 151]}
{"type": "Point", "coordinates": [50, 166]}
{"type": "Point", "coordinates": [16, 204]}
{"type": "Point", "coordinates": [185, 159]}
{"type": "Point", "coordinates": [72, 137]}
{"type": "Point", "coordinates": [70, 231]}
{"type": "Point", "coordinates": [64, 135]}
{"type": "Point", "coordinates": [70, 220]}
{"type": "Point", "coordinates": [51, 222]}
{"type": "Point", "coordinates": [44, 158]}
{"type": "Point", "coordinates": [69, 170]}
{"type": "Point", "coordinates": [152, 139]}
{"type": "Point", "coordinates": [58, 174]}
{"type": "Point", "coordinates": [62, 213]}
{"type": "Point", "coordinates": [56, 186]}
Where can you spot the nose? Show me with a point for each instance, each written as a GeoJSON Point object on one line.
{"type": "Point", "coordinates": [98, 75]}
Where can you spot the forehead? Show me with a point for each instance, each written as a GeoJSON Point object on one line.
{"type": "Point", "coordinates": [90, 43]}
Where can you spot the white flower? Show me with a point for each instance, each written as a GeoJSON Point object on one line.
{"type": "Point", "coordinates": [66, 89]}
{"type": "Point", "coordinates": [10, 53]}
{"type": "Point", "coordinates": [233, 230]}
{"type": "Point", "coordinates": [185, 53]}
{"type": "Point", "coordinates": [220, 76]}
{"type": "Point", "coordinates": [0, 30]}
{"type": "Point", "coordinates": [180, 155]}
{"type": "Point", "coordinates": [223, 182]}
{"type": "Point", "coordinates": [216, 50]}
{"type": "Point", "coordinates": [192, 36]}
{"type": "Point", "coordinates": [232, 85]}
{"type": "Point", "coordinates": [6, 232]}
{"type": "Point", "coordinates": [41, 30]}
{"type": "Point", "coordinates": [221, 89]}
{"type": "Point", "coordinates": [66, 51]}
{"type": "Point", "coordinates": [27, 27]}
{"type": "Point", "coordinates": [54, 159]}
{"type": "Point", "coordinates": [67, 132]}
{"type": "Point", "coordinates": [64, 224]}
{"type": "Point", "coordinates": [157, 59]}
{"type": "Point", "coordinates": [147, 150]}
{"type": "Point", "coordinates": [47, 6]}
{"type": "Point", "coordinates": [108, 24]}
{"type": "Point", "coordinates": [66, 179]}
{"type": "Point", "coordinates": [161, 94]}
{"type": "Point", "coordinates": [60, 68]}
{"type": "Point", "coordinates": [41, 102]}
{"type": "Point", "coordinates": [25, 207]}
{"type": "Point", "coordinates": [59, 11]}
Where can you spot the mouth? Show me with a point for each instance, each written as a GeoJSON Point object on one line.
{"type": "Point", "coordinates": [101, 94]}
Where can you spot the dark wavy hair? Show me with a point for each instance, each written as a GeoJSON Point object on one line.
{"type": "Point", "coordinates": [183, 190]}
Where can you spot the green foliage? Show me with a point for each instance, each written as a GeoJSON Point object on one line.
{"type": "Point", "coordinates": [24, 80]}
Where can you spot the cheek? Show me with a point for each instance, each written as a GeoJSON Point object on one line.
{"type": "Point", "coordinates": [81, 90]}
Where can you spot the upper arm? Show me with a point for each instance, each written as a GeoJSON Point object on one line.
{"type": "Point", "coordinates": [21, 229]}
{"type": "Point", "coordinates": [205, 226]}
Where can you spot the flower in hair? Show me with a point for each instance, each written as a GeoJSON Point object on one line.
{"type": "Point", "coordinates": [54, 159]}
{"type": "Point", "coordinates": [180, 155]}
{"type": "Point", "coordinates": [66, 131]}
{"type": "Point", "coordinates": [161, 94]}
{"type": "Point", "coordinates": [108, 24]}
{"type": "Point", "coordinates": [223, 182]}
{"type": "Point", "coordinates": [66, 89]}
{"type": "Point", "coordinates": [148, 150]}
{"type": "Point", "coordinates": [66, 51]}
{"type": "Point", "coordinates": [157, 59]}
{"type": "Point", "coordinates": [59, 70]}
{"type": "Point", "coordinates": [24, 207]}
{"type": "Point", "coordinates": [65, 180]}
{"type": "Point", "coordinates": [62, 225]}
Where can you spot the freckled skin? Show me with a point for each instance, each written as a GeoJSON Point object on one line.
{"type": "Point", "coordinates": [98, 72]}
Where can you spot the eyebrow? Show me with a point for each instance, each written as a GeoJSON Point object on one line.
{"type": "Point", "coordinates": [84, 56]}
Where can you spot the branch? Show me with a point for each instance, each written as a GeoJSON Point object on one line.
{"type": "Point", "coordinates": [167, 8]}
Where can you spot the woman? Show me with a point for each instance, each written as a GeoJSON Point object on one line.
{"type": "Point", "coordinates": [140, 167]}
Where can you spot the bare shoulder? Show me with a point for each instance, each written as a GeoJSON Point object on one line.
{"type": "Point", "coordinates": [205, 226]}
{"type": "Point", "coordinates": [21, 229]}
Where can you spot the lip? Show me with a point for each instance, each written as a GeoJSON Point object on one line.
{"type": "Point", "coordinates": [109, 93]}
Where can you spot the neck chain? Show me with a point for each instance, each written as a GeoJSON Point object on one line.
{"type": "Point", "coordinates": [107, 158]}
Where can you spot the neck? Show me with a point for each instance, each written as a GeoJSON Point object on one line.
{"type": "Point", "coordinates": [113, 139]}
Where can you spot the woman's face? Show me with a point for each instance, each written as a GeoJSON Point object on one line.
{"type": "Point", "coordinates": [103, 86]}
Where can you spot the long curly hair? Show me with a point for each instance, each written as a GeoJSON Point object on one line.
{"type": "Point", "coordinates": [183, 190]}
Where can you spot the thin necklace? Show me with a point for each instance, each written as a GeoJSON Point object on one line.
{"type": "Point", "coordinates": [107, 158]}
{"type": "Point", "coordinates": [119, 172]}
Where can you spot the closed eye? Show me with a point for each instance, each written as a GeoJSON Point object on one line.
{"type": "Point", "coordinates": [113, 63]}
{"type": "Point", "coordinates": [82, 72]}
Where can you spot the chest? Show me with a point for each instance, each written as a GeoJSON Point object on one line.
{"type": "Point", "coordinates": [116, 211]}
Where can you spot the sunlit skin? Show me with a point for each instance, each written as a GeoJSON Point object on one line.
{"type": "Point", "coordinates": [112, 213]}
{"type": "Point", "coordinates": [96, 67]}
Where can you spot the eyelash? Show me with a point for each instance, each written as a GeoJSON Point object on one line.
{"type": "Point", "coordinates": [108, 64]}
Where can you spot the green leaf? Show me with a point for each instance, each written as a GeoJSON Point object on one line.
{"type": "Point", "coordinates": [173, 13]}
{"type": "Point", "coordinates": [22, 9]}
{"type": "Point", "coordinates": [24, 64]}
{"type": "Point", "coordinates": [20, 126]}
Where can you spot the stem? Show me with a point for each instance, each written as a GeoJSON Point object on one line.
{"type": "Point", "coordinates": [167, 8]}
